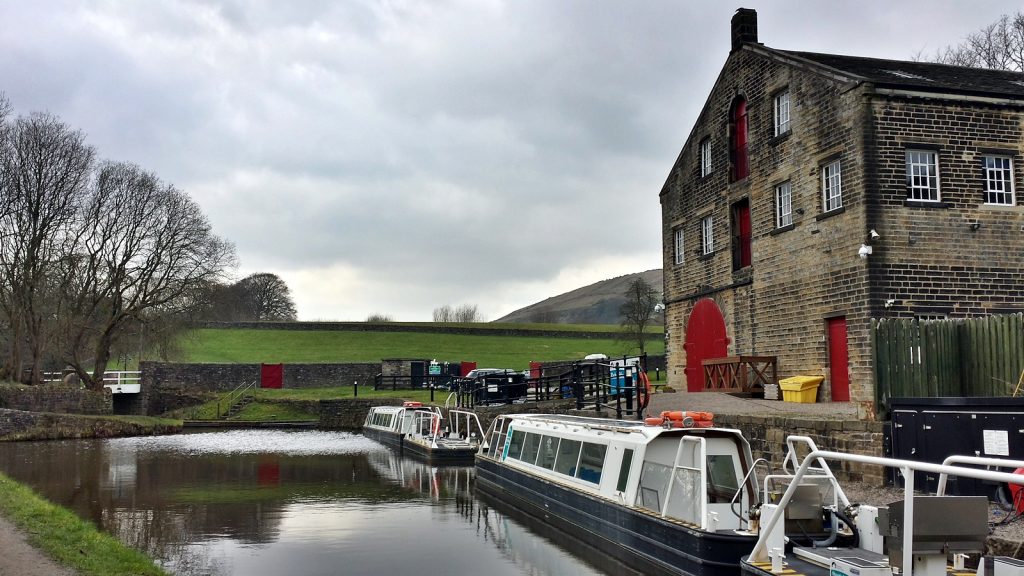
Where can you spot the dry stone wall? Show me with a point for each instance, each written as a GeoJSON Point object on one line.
{"type": "Point", "coordinates": [55, 398]}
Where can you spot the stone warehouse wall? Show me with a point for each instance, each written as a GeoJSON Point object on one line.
{"type": "Point", "coordinates": [958, 257]}
{"type": "Point", "coordinates": [800, 274]}
{"type": "Point", "coordinates": [55, 398]}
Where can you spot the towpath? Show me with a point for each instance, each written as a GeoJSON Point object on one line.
{"type": "Point", "coordinates": [725, 404]}
{"type": "Point", "coordinates": [20, 558]}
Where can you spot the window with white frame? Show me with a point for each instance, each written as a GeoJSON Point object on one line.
{"type": "Point", "coordinates": [999, 180]}
{"type": "Point", "coordinates": [783, 205]}
{"type": "Point", "coordinates": [707, 235]}
{"type": "Point", "coordinates": [832, 186]}
{"type": "Point", "coordinates": [782, 113]}
{"type": "Point", "coordinates": [923, 175]}
{"type": "Point", "coordinates": [680, 258]}
{"type": "Point", "coordinates": [705, 157]}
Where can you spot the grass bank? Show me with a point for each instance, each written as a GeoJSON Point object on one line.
{"type": "Point", "coordinates": [211, 345]}
{"type": "Point", "coordinates": [294, 405]}
{"type": "Point", "coordinates": [69, 539]}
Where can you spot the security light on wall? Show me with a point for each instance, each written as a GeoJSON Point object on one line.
{"type": "Point", "coordinates": [864, 251]}
{"type": "Point", "coordinates": [873, 235]}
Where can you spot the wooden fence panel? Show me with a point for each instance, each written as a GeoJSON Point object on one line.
{"type": "Point", "coordinates": [961, 357]}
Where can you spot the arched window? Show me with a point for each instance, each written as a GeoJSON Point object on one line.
{"type": "Point", "coordinates": [738, 140]}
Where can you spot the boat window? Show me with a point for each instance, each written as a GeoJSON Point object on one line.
{"type": "Point", "coordinates": [654, 479]}
{"type": "Point", "coordinates": [568, 456]}
{"type": "Point", "coordinates": [515, 445]}
{"type": "Point", "coordinates": [548, 451]}
{"type": "Point", "coordinates": [722, 483]}
{"type": "Point", "coordinates": [530, 448]}
{"type": "Point", "coordinates": [627, 463]}
{"type": "Point", "coordinates": [591, 462]}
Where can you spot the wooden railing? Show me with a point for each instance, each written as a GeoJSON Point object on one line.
{"type": "Point", "coordinates": [745, 375]}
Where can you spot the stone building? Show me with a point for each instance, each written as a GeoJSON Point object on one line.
{"type": "Point", "coordinates": [818, 191]}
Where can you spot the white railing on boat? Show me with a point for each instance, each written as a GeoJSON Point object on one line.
{"type": "Point", "coordinates": [907, 468]}
{"type": "Point", "coordinates": [974, 461]}
{"type": "Point", "coordinates": [461, 422]}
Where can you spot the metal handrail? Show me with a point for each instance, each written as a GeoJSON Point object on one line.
{"type": "Point", "coordinates": [455, 417]}
{"type": "Point", "coordinates": [976, 461]}
{"type": "Point", "coordinates": [908, 468]}
{"type": "Point", "coordinates": [238, 392]}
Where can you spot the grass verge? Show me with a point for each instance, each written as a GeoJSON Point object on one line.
{"type": "Point", "coordinates": [295, 405]}
{"type": "Point", "coordinates": [209, 345]}
{"type": "Point", "coordinates": [69, 539]}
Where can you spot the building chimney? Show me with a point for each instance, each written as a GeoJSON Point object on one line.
{"type": "Point", "coordinates": [744, 27]}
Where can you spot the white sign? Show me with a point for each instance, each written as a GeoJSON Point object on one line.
{"type": "Point", "coordinates": [997, 442]}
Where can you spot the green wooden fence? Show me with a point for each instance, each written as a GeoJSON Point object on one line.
{"type": "Point", "coordinates": [959, 357]}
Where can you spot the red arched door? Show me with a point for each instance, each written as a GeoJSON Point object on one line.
{"type": "Point", "coordinates": [705, 338]}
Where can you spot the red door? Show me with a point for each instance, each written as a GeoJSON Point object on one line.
{"type": "Point", "coordinates": [705, 338]}
{"type": "Point", "coordinates": [272, 376]}
{"type": "Point", "coordinates": [838, 360]}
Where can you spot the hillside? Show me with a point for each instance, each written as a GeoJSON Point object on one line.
{"type": "Point", "coordinates": [597, 303]}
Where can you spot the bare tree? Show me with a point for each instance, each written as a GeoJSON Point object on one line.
{"type": "Point", "coordinates": [443, 314]}
{"type": "Point", "coordinates": [638, 311]}
{"type": "Point", "coordinates": [267, 297]}
{"type": "Point", "coordinates": [999, 46]}
{"type": "Point", "coordinates": [45, 171]}
{"type": "Point", "coordinates": [379, 318]}
{"type": "Point", "coordinates": [146, 255]}
{"type": "Point", "coordinates": [466, 313]}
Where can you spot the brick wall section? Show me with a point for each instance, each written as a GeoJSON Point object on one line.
{"type": "Point", "coordinates": [767, 437]}
{"type": "Point", "coordinates": [52, 398]}
{"type": "Point", "coordinates": [225, 377]}
{"type": "Point", "coordinates": [929, 260]}
{"type": "Point", "coordinates": [349, 414]}
{"type": "Point", "coordinates": [798, 276]}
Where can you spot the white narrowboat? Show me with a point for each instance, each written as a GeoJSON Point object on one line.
{"type": "Point", "coordinates": [423, 431]}
{"type": "Point", "coordinates": [660, 498]}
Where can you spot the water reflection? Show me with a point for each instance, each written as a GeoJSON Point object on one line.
{"type": "Point", "coordinates": [272, 502]}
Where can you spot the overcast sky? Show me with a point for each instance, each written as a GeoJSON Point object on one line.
{"type": "Point", "coordinates": [394, 156]}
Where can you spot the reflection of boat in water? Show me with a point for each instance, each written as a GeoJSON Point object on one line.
{"type": "Point", "coordinates": [537, 546]}
{"type": "Point", "coordinates": [660, 499]}
{"type": "Point", "coordinates": [914, 536]}
{"type": "Point", "coordinates": [533, 546]}
{"type": "Point", "coordinates": [418, 476]}
{"type": "Point", "coordinates": [424, 432]}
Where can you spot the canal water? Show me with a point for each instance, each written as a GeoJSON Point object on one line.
{"type": "Point", "coordinates": [304, 503]}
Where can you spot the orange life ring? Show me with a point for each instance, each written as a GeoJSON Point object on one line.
{"type": "Point", "coordinates": [412, 404]}
{"type": "Point", "coordinates": [643, 391]}
{"type": "Point", "coordinates": [680, 414]}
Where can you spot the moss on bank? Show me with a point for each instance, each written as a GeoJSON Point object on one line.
{"type": "Point", "coordinates": [67, 538]}
{"type": "Point", "coordinates": [18, 425]}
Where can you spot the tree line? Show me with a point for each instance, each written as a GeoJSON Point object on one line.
{"type": "Point", "coordinates": [98, 257]}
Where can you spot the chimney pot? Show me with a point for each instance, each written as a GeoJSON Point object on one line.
{"type": "Point", "coordinates": [744, 27]}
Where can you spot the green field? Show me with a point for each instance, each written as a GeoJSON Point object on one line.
{"type": "Point", "coordinates": [217, 345]}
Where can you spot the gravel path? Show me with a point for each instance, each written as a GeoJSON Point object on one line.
{"type": "Point", "coordinates": [19, 558]}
